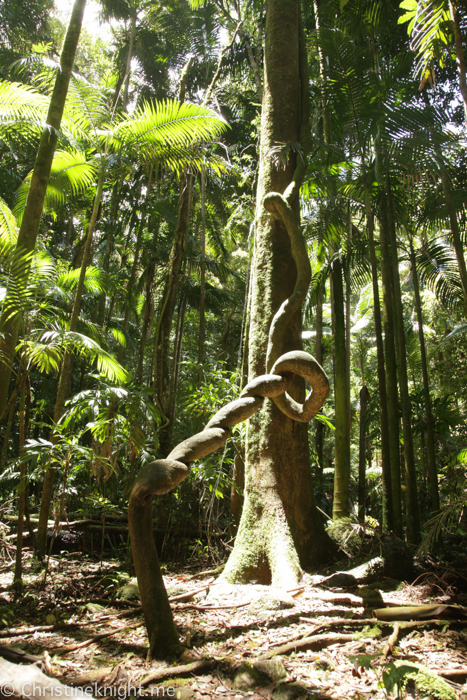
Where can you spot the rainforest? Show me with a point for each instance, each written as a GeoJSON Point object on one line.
{"type": "Point", "coordinates": [233, 321]}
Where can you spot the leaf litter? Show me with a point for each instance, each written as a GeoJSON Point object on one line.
{"type": "Point", "coordinates": [320, 643]}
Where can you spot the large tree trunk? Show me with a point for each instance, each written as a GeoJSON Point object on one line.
{"type": "Point", "coordinates": [280, 528]}
{"type": "Point", "coordinates": [9, 324]}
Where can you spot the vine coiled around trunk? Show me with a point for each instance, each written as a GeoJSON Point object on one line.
{"type": "Point", "coordinates": [164, 475]}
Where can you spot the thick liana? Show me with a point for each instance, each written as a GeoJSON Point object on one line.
{"type": "Point", "coordinates": [163, 475]}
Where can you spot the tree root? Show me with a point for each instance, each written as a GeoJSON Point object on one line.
{"type": "Point", "coordinates": [392, 641]}
{"type": "Point", "coordinates": [173, 671]}
{"type": "Point", "coordinates": [315, 642]}
{"type": "Point", "coordinates": [95, 638]}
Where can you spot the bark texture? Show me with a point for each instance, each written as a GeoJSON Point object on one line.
{"type": "Point", "coordinates": [280, 528]}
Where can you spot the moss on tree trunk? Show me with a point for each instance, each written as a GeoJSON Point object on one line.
{"type": "Point", "coordinates": [280, 530]}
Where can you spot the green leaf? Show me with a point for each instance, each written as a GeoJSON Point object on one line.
{"type": "Point", "coordinates": [8, 225]}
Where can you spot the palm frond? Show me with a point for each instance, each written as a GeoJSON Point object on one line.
{"type": "Point", "coordinates": [168, 123]}
{"type": "Point", "coordinates": [71, 174]}
{"type": "Point", "coordinates": [20, 102]}
{"type": "Point", "coordinates": [429, 29]}
{"type": "Point", "coordinates": [45, 351]}
{"type": "Point", "coordinates": [95, 280]}
{"type": "Point", "coordinates": [458, 330]}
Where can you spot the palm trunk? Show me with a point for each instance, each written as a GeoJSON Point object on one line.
{"type": "Point", "coordinates": [254, 66]}
{"type": "Point", "coordinates": [109, 246]}
{"type": "Point", "coordinates": [26, 243]}
{"type": "Point", "coordinates": [160, 369]}
{"type": "Point", "coordinates": [319, 438]}
{"type": "Point", "coordinates": [17, 578]}
{"type": "Point", "coordinates": [8, 427]}
{"type": "Point", "coordinates": [65, 373]}
{"type": "Point", "coordinates": [340, 507]}
{"type": "Point", "coordinates": [430, 435]}
{"type": "Point", "coordinates": [134, 266]}
{"type": "Point", "coordinates": [413, 518]}
{"type": "Point", "coordinates": [456, 237]}
{"type": "Point", "coordinates": [161, 379]}
{"type": "Point", "coordinates": [202, 243]}
{"type": "Point", "coordinates": [391, 374]}
{"type": "Point", "coordinates": [348, 294]}
{"type": "Point", "coordinates": [128, 60]}
{"type": "Point", "coordinates": [459, 46]}
{"type": "Point", "coordinates": [131, 227]}
{"type": "Point", "coordinates": [364, 399]}
{"type": "Point", "coordinates": [176, 367]}
{"type": "Point", "coordinates": [387, 504]}
{"type": "Point", "coordinates": [150, 273]}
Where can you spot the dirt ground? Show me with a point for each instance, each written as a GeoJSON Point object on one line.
{"type": "Point", "coordinates": [327, 645]}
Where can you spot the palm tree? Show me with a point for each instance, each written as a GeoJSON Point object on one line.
{"type": "Point", "coordinates": [26, 242]}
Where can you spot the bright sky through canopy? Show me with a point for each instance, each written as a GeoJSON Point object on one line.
{"type": "Point", "coordinates": [91, 17]}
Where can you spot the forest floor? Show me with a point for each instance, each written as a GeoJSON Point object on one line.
{"type": "Point", "coordinates": [327, 645]}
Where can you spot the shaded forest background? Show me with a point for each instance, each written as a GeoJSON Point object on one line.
{"type": "Point", "coordinates": [133, 310]}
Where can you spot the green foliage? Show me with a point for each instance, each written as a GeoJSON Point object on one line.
{"type": "Point", "coordinates": [347, 534]}
{"type": "Point", "coordinates": [395, 676]}
{"type": "Point", "coordinates": [8, 229]}
{"type": "Point", "coordinates": [71, 174]}
{"type": "Point", "coordinates": [430, 31]}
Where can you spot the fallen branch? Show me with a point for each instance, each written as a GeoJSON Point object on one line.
{"type": "Point", "coordinates": [392, 641]}
{"type": "Point", "coordinates": [211, 607]}
{"type": "Point", "coordinates": [452, 673]}
{"type": "Point", "coordinates": [357, 601]}
{"type": "Point", "coordinates": [420, 612]}
{"type": "Point", "coordinates": [217, 570]}
{"type": "Point", "coordinates": [190, 594]}
{"type": "Point", "coordinates": [22, 631]}
{"type": "Point", "coordinates": [315, 642]}
{"type": "Point", "coordinates": [18, 656]}
{"type": "Point", "coordinates": [73, 647]}
{"type": "Point", "coordinates": [173, 671]}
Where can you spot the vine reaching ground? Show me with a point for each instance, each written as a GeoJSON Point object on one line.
{"type": "Point", "coordinates": [163, 475]}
